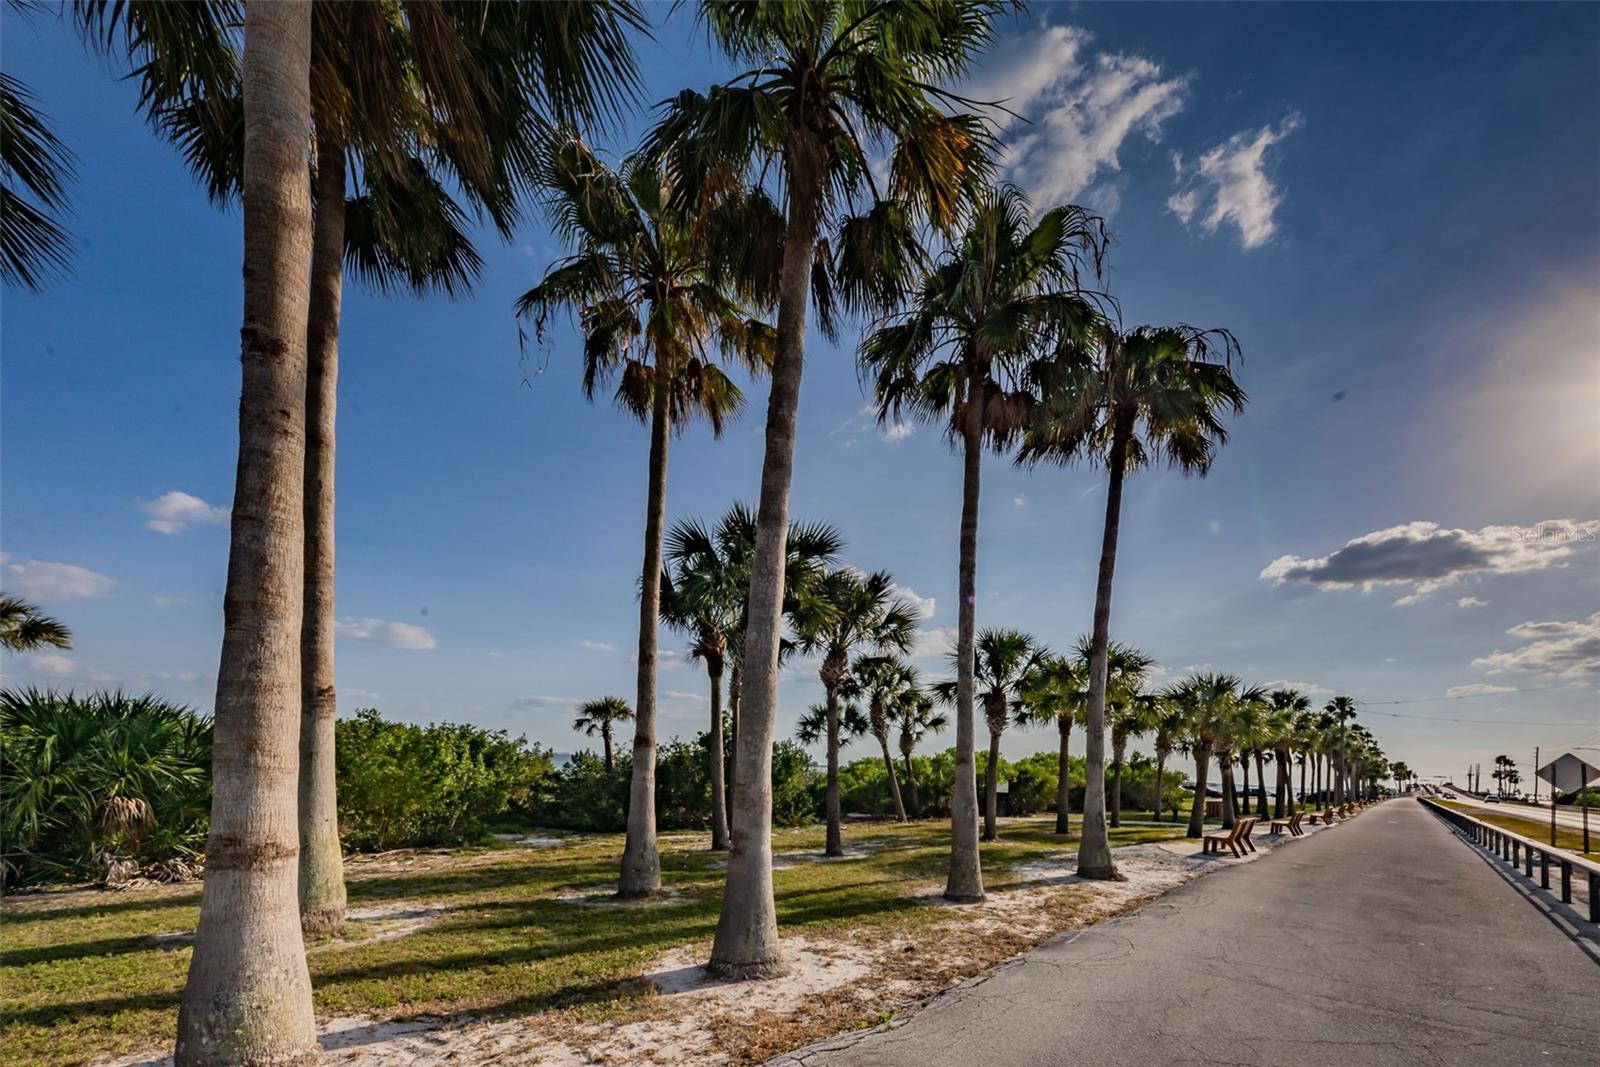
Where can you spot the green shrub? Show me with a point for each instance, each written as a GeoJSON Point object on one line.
{"type": "Point", "coordinates": [402, 785]}
{"type": "Point", "coordinates": [85, 781]}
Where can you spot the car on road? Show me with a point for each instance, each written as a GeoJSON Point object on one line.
{"type": "Point", "coordinates": [1491, 799]}
{"type": "Point", "coordinates": [1450, 796]}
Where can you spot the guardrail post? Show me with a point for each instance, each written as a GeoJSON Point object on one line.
{"type": "Point", "coordinates": [1544, 870]}
{"type": "Point", "coordinates": [1527, 859]}
{"type": "Point", "coordinates": [1594, 896]}
{"type": "Point", "coordinates": [1566, 882]}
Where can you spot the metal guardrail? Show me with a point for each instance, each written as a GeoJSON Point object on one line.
{"type": "Point", "coordinates": [1519, 851]}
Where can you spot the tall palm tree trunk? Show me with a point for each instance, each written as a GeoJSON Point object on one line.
{"type": "Point", "coordinates": [746, 944]}
{"type": "Point", "coordinates": [322, 895]}
{"type": "Point", "coordinates": [894, 783]}
{"type": "Point", "coordinates": [641, 861]}
{"type": "Point", "coordinates": [1094, 848]}
{"type": "Point", "coordinates": [1118, 748]}
{"type": "Point", "coordinates": [1064, 777]}
{"type": "Point", "coordinates": [1303, 801]}
{"type": "Point", "coordinates": [605, 744]}
{"type": "Point", "coordinates": [719, 798]}
{"type": "Point", "coordinates": [1197, 811]}
{"type": "Point", "coordinates": [1261, 785]}
{"type": "Point", "coordinates": [1229, 815]}
{"type": "Point", "coordinates": [965, 881]}
{"type": "Point", "coordinates": [991, 788]}
{"type": "Point", "coordinates": [734, 678]}
{"type": "Point", "coordinates": [835, 817]}
{"type": "Point", "coordinates": [1155, 792]}
{"type": "Point", "coordinates": [1244, 764]}
{"type": "Point", "coordinates": [248, 995]}
{"type": "Point", "coordinates": [915, 810]}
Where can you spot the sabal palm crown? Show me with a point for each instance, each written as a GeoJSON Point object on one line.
{"type": "Point", "coordinates": [965, 347]}
{"type": "Point", "coordinates": [641, 284]}
{"type": "Point", "coordinates": [23, 627]}
{"type": "Point", "coordinates": [847, 610]}
{"type": "Point", "coordinates": [597, 716]}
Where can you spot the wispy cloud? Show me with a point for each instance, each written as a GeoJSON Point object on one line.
{"type": "Point", "coordinates": [1471, 602]}
{"type": "Point", "coordinates": [1426, 556]}
{"type": "Point", "coordinates": [1232, 183]}
{"type": "Point", "coordinates": [926, 606]}
{"type": "Point", "coordinates": [540, 700]}
{"type": "Point", "coordinates": [1477, 689]}
{"type": "Point", "coordinates": [175, 512]}
{"type": "Point", "coordinates": [1565, 648]}
{"type": "Point", "coordinates": [394, 634]}
{"type": "Point", "coordinates": [598, 646]}
{"type": "Point", "coordinates": [1081, 106]}
{"type": "Point", "coordinates": [168, 601]}
{"type": "Point", "coordinates": [52, 663]}
{"type": "Point", "coordinates": [55, 581]}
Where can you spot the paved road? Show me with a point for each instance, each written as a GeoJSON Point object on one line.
{"type": "Point", "coordinates": [1386, 940]}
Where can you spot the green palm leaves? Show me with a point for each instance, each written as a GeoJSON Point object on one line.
{"type": "Point", "coordinates": [23, 627]}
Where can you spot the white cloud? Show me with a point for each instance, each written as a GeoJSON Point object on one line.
{"type": "Point", "coordinates": [1426, 556]}
{"type": "Point", "coordinates": [351, 692]}
{"type": "Point", "coordinates": [1081, 106]}
{"type": "Point", "coordinates": [935, 641]}
{"type": "Point", "coordinates": [168, 601]}
{"type": "Point", "coordinates": [1568, 649]}
{"type": "Point", "coordinates": [598, 646]}
{"type": "Point", "coordinates": [1471, 602]}
{"type": "Point", "coordinates": [685, 698]}
{"type": "Point", "coordinates": [1230, 183]}
{"type": "Point", "coordinates": [393, 634]}
{"type": "Point", "coordinates": [1019, 501]}
{"type": "Point", "coordinates": [897, 431]}
{"type": "Point", "coordinates": [53, 663]}
{"type": "Point", "coordinates": [926, 605]}
{"type": "Point", "coordinates": [56, 581]}
{"type": "Point", "coordinates": [544, 701]}
{"type": "Point", "coordinates": [1308, 688]}
{"type": "Point", "coordinates": [1477, 689]}
{"type": "Point", "coordinates": [175, 512]}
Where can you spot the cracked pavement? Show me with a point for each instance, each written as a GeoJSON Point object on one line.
{"type": "Point", "coordinates": [1386, 940]}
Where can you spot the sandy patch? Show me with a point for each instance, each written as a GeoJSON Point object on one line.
{"type": "Point", "coordinates": [533, 840]}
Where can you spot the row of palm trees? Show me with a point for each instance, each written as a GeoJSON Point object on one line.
{"type": "Point", "coordinates": [837, 173]}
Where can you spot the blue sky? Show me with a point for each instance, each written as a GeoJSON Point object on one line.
{"type": "Point", "coordinates": [1393, 208]}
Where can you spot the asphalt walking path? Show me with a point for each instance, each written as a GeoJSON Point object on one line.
{"type": "Point", "coordinates": [1384, 940]}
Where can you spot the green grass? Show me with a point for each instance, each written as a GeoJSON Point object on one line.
{"type": "Point", "coordinates": [82, 973]}
{"type": "Point", "coordinates": [1532, 826]}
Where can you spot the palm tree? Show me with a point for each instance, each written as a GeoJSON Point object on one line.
{"type": "Point", "coordinates": [824, 79]}
{"type": "Point", "coordinates": [248, 995]}
{"type": "Point", "coordinates": [1341, 709]}
{"type": "Point", "coordinates": [712, 581]}
{"type": "Point", "coordinates": [23, 627]}
{"type": "Point", "coordinates": [1283, 724]}
{"type": "Point", "coordinates": [848, 723]}
{"type": "Point", "coordinates": [1132, 711]}
{"type": "Point", "coordinates": [1126, 400]}
{"type": "Point", "coordinates": [1207, 701]}
{"type": "Point", "coordinates": [1233, 729]}
{"type": "Point", "coordinates": [651, 306]}
{"type": "Point", "coordinates": [1004, 661]}
{"type": "Point", "coordinates": [913, 714]}
{"type": "Point", "coordinates": [402, 91]}
{"type": "Point", "coordinates": [963, 351]}
{"type": "Point", "coordinates": [848, 611]}
{"type": "Point", "coordinates": [883, 681]}
{"type": "Point", "coordinates": [1056, 691]}
{"type": "Point", "coordinates": [702, 595]}
{"type": "Point", "coordinates": [1167, 724]}
{"type": "Point", "coordinates": [598, 717]}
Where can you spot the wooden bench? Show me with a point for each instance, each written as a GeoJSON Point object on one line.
{"type": "Point", "coordinates": [1249, 825]}
{"type": "Point", "coordinates": [1324, 817]}
{"type": "Point", "coordinates": [1217, 839]}
{"type": "Point", "coordinates": [1291, 825]}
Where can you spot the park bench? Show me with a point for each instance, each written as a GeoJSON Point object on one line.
{"type": "Point", "coordinates": [1249, 825]}
{"type": "Point", "coordinates": [1291, 825]}
{"type": "Point", "coordinates": [1325, 817]}
{"type": "Point", "coordinates": [1231, 839]}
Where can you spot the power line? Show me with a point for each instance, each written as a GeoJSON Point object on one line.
{"type": "Point", "coordinates": [1487, 722]}
{"type": "Point", "coordinates": [1470, 696]}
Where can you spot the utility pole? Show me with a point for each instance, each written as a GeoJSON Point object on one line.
{"type": "Point", "coordinates": [1536, 777]}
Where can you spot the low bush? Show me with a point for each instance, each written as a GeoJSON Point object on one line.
{"type": "Point", "coordinates": [402, 785]}
{"type": "Point", "coordinates": [99, 784]}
